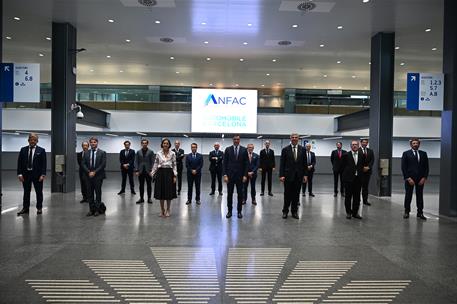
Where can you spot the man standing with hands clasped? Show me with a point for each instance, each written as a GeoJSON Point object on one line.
{"type": "Point", "coordinates": [292, 173]}
{"type": "Point", "coordinates": [367, 167]}
{"type": "Point", "coordinates": [352, 166]}
{"type": "Point", "coordinates": [194, 164]}
{"type": "Point", "coordinates": [414, 165]}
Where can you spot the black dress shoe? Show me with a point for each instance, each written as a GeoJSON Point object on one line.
{"type": "Point", "coordinates": [240, 215]}
{"type": "Point", "coordinates": [212, 193]}
{"type": "Point", "coordinates": [121, 192]}
{"type": "Point", "coordinates": [96, 213]}
{"type": "Point", "coordinates": [149, 201]}
{"type": "Point", "coordinates": [406, 215]}
{"type": "Point", "coordinates": [179, 193]}
{"type": "Point", "coordinates": [422, 217]}
{"type": "Point", "coordinates": [312, 194]}
{"type": "Point", "coordinates": [262, 194]}
{"type": "Point", "coordinates": [298, 204]}
{"type": "Point", "coordinates": [83, 201]}
{"type": "Point", "coordinates": [220, 193]}
{"type": "Point", "coordinates": [133, 192]}
{"type": "Point", "coordinates": [270, 194]}
{"type": "Point", "coordinates": [90, 213]}
{"type": "Point", "coordinates": [229, 214]}
{"type": "Point", "coordinates": [348, 216]}
{"type": "Point", "coordinates": [303, 194]}
{"type": "Point", "coordinates": [39, 211]}
{"type": "Point", "coordinates": [188, 202]}
{"type": "Point", "coordinates": [295, 216]}
{"type": "Point", "coordinates": [23, 211]}
{"type": "Point", "coordinates": [284, 215]}
{"type": "Point", "coordinates": [367, 203]}
{"type": "Point", "coordinates": [335, 194]}
{"type": "Point", "coordinates": [357, 216]}
{"type": "Point", "coordinates": [140, 201]}
{"type": "Point", "coordinates": [198, 202]}
{"type": "Point", "coordinates": [254, 203]}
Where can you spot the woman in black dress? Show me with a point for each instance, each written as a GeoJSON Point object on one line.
{"type": "Point", "coordinates": [164, 173]}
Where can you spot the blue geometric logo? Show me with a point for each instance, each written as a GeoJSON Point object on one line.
{"type": "Point", "coordinates": [210, 98]}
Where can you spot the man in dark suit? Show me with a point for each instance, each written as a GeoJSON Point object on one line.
{"type": "Point", "coordinates": [94, 164]}
{"type": "Point", "coordinates": [311, 163]}
{"type": "Point", "coordinates": [267, 165]}
{"type": "Point", "coordinates": [414, 166]}
{"type": "Point", "coordinates": [215, 168]}
{"type": "Point", "coordinates": [292, 172]}
{"type": "Point", "coordinates": [337, 158]}
{"type": "Point", "coordinates": [368, 156]}
{"type": "Point", "coordinates": [179, 163]}
{"type": "Point", "coordinates": [31, 169]}
{"type": "Point", "coordinates": [144, 161]}
{"type": "Point", "coordinates": [194, 164]}
{"type": "Point", "coordinates": [82, 174]}
{"type": "Point", "coordinates": [352, 167]}
{"type": "Point", "coordinates": [235, 171]}
{"type": "Point", "coordinates": [127, 161]}
{"type": "Point", "coordinates": [253, 166]}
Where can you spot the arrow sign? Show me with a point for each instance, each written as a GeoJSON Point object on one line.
{"type": "Point", "coordinates": [7, 69]}
{"type": "Point", "coordinates": [413, 78]}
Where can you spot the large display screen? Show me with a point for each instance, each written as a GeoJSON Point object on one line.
{"type": "Point", "coordinates": [224, 111]}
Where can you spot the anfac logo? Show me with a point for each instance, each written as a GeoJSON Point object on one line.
{"type": "Point", "coordinates": [225, 100]}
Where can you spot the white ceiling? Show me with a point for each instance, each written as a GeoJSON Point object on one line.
{"type": "Point", "coordinates": [146, 60]}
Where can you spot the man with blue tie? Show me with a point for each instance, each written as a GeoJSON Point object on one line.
{"type": "Point", "coordinates": [194, 164]}
{"type": "Point", "coordinates": [215, 168]}
{"type": "Point", "coordinates": [253, 166]}
{"type": "Point", "coordinates": [31, 169]}
{"type": "Point", "coordinates": [414, 166]}
{"type": "Point", "coordinates": [235, 171]}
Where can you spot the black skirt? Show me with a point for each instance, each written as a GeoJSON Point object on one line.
{"type": "Point", "coordinates": [164, 188]}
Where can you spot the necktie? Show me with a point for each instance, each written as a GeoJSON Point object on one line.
{"type": "Point", "coordinates": [126, 153]}
{"type": "Point", "coordinates": [29, 160]}
{"type": "Point", "coordinates": [339, 153]}
{"type": "Point", "coordinates": [295, 153]}
{"type": "Point", "coordinates": [92, 163]}
{"type": "Point", "coordinates": [236, 152]}
{"type": "Point", "coordinates": [193, 155]}
{"type": "Point", "coordinates": [415, 154]}
{"type": "Point", "coordinates": [250, 157]}
{"type": "Point", "coordinates": [309, 158]}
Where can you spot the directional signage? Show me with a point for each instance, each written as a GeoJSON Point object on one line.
{"type": "Point", "coordinates": [425, 91]}
{"type": "Point", "coordinates": [20, 82]}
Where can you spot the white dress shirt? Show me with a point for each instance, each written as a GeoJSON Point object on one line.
{"type": "Point", "coordinates": [165, 161]}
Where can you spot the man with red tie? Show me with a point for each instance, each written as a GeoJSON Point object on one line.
{"type": "Point", "coordinates": [337, 160]}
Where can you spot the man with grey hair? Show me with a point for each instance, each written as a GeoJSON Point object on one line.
{"type": "Point", "coordinates": [31, 169]}
{"type": "Point", "coordinates": [82, 175]}
{"type": "Point", "coordinates": [215, 168]}
{"type": "Point", "coordinates": [179, 163]}
{"type": "Point", "coordinates": [266, 166]}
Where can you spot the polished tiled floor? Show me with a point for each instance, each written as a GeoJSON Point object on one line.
{"type": "Point", "coordinates": [197, 256]}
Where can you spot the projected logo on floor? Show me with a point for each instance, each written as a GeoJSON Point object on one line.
{"type": "Point", "coordinates": [190, 275]}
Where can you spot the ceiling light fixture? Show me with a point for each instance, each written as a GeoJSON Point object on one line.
{"type": "Point", "coordinates": [172, 58]}
{"type": "Point", "coordinates": [322, 45]}
{"type": "Point", "coordinates": [177, 72]}
{"type": "Point", "coordinates": [208, 59]}
{"type": "Point", "coordinates": [108, 56]}
{"type": "Point", "coordinates": [110, 20]}
{"type": "Point", "coordinates": [241, 59]}
{"type": "Point", "coordinates": [41, 54]}
{"type": "Point", "coordinates": [210, 84]}
{"type": "Point", "coordinates": [354, 77]}
{"type": "Point", "coordinates": [203, 23]}
{"type": "Point", "coordinates": [340, 27]}
{"type": "Point", "coordinates": [205, 42]}
{"type": "Point", "coordinates": [428, 30]}
{"type": "Point", "coordinates": [91, 70]}
{"type": "Point", "coordinates": [365, 1]}
{"type": "Point", "coordinates": [262, 85]}
{"type": "Point", "coordinates": [402, 64]}
{"type": "Point", "coordinates": [274, 60]}
{"type": "Point", "coordinates": [8, 38]}
{"type": "Point", "coordinates": [48, 38]}
{"type": "Point", "coordinates": [121, 71]}
{"type": "Point", "coordinates": [140, 133]}
{"type": "Point", "coordinates": [128, 40]}
{"type": "Point", "coordinates": [397, 47]}
{"type": "Point", "coordinates": [434, 49]}
{"type": "Point", "coordinates": [294, 25]}
{"type": "Point", "coordinates": [339, 62]}
{"type": "Point", "coordinates": [268, 74]}
{"type": "Point", "coordinates": [325, 76]}
{"type": "Point", "coordinates": [157, 22]}
{"type": "Point", "coordinates": [245, 43]}
{"type": "Point", "coordinates": [249, 24]}
{"type": "Point", "coordinates": [17, 18]}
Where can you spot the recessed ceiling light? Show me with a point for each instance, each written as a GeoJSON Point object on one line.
{"type": "Point", "coordinates": [325, 76]}
{"type": "Point", "coordinates": [157, 22]}
{"type": "Point", "coordinates": [8, 38]}
{"type": "Point", "coordinates": [369, 63]}
{"type": "Point", "coordinates": [365, 1]}
{"type": "Point", "coordinates": [41, 54]}
{"type": "Point", "coordinates": [172, 58]}
{"type": "Point", "coordinates": [245, 43]}
{"type": "Point", "coordinates": [91, 70]}
{"type": "Point", "coordinates": [322, 45]}
{"type": "Point", "coordinates": [205, 42]}
{"type": "Point", "coordinates": [210, 84]}
{"type": "Point", "coordinates": [268, 74]}
{"type": "Point", "coordinates": [339, 62]}
{"type": "Point", "coordinates": [177, 72]}
{"type": "Point", "coordinates": [108, 56]}
{"type": "Point", "coordinates": [353, 76]}
{"type": "Point", "coordinates": [110, 20]}
{"type": "Point", "coordinates": [402, 63]}
{"type": "Point", "coordinates": [249, 24]}
{"type": "Point", "coordinates": [236, 85]}
{"type": "Point", "coordinates": [128, 40]}
{"type": "Point", "coordinates": [17, 18]}
{"type": "Point", "coordinates": [428, 30]}
{"type": "Point", "coordinates": [121, 71]}
{"type": "Point", "coordinates": [397, 47]}
{"type": "Point", "coordinates": [294, 25]}
{"type": "Point", "coordinates": [274, 60]}
{"type": "Point", "coordinates": [48, 38]}
{"type": "Point", "coordinates": [262, 85]}
{"type": "Point", "coordinates": [434, 49]}
{"type": "Point", "coordinates": [340, 27]}
{"type": "Point", "coordinates": [340, 87]}
{"type": "Point", "coordinates": [241, 59]}
{"type": "Point", "coordinates": [208, 59]}
{"type": "Point", "coordinates": [203, 23]}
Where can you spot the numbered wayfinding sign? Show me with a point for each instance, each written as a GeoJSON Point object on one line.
{"type": "Point", "coordinates": [20, 82]}
{"type": "Point", "coordinates": [425, 91]}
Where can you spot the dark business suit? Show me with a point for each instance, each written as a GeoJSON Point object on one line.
{"type": "Point", "coordinates": [179, 165]}
{"type": "Point", "coordinates": [369, 161]}
{"type": "Point", "coordinates": [127, 158]}
{"type": "Point", "coordinates": [215, 168]}
{"type": "Point", "coordinates": [235, 168]}
{"type": "Point", "coordinates": [95, 183]}
{"type": "Point", "coordinates": [352, 179]}
{"type": "Point", "coordinates": [310, 161]}
{"type": "Point", "coordinates": [82, 177]}
{"type": "Point", "coordinates": [416, 169]}
{"type": "Point", "coordinates": [267, 163]}
{"type": "Point", "coordinates": [293, 170]}
{"type": "Point", "coordinates": [253, 166]}
{"type": "Point", "coordinates": [144, 161]}
{"type": "Point", "coordinates": [194, 162]}
{"type": "Point", "coordinates": [337, 168]}
{"type": "Point", "coordinates": [31, 169]}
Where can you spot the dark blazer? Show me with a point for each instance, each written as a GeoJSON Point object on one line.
{"type": "Point", "coordinates": [291, 168]}
{"type": "Point", "coordinates": [215, 165]}
{"type": "Point", "coordinates": [233, 167]}
{"type": "Point", "coordinates": [194, 163]}
{"type": "Point", "coordinates": [129, 159]}
{"type": "Point", "coordinates": [336, 161]}
{"type": "Point", "coordinates": [79, 158]}
{"type": "Point", "coordinates": [267, 161]}
{"type": "Point", "coordinates": [369, 159]}
{"type": "Point", "coordinates": [313, 160]}
{"type": "Point", "coordinates": [39, 162]}
{"type": "Point", "coordinates": [100, 163]}
{"type": "Point", "coordinates": [144, 163]}
{"type": "Point", "coordinates": [253, 165]}
{"type": "Point", "coordinates": [179, 156]}
{"type": "Point", "coordinates": [349, 168]}
{"type": "Point", "coordinates": [411, 168]}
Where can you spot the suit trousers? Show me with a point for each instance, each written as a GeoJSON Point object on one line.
{"type": "Point", "coordinates": [309, 183]}
{"type": "Point", "coordinates": [145, 177]}
{"type": "Point", "coordinates": [95, 192]}
{"type": "Point", "coordinates": [266, 173]}
{"type": "Point", "coordinates": [352, 195]}
{"type": "Point", "coordinates": [179, 177]}
{"type": "Point", "coordinates": [409, 196]}
{"type": "Point", "coordinates": [124, 179]}
{"type": "Point", "coordinates": [251, 181]}
{"type": "Point", "coordinates": [337, 175]}
{"type": "Point", "coordinates": [217, 173]}
{"type": "Point", "coordinates": [291, 195]}
{"type": "Point", "coordinates": [83, 183]}
{"type": "Point", "coordinates": [191, 180]}
{"type": "Point", "coordinates": [365, 184]}
{"type": "Point", "coordinates": [238, 182]}
{"type": "Point", "coordinates": [27, 185]}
